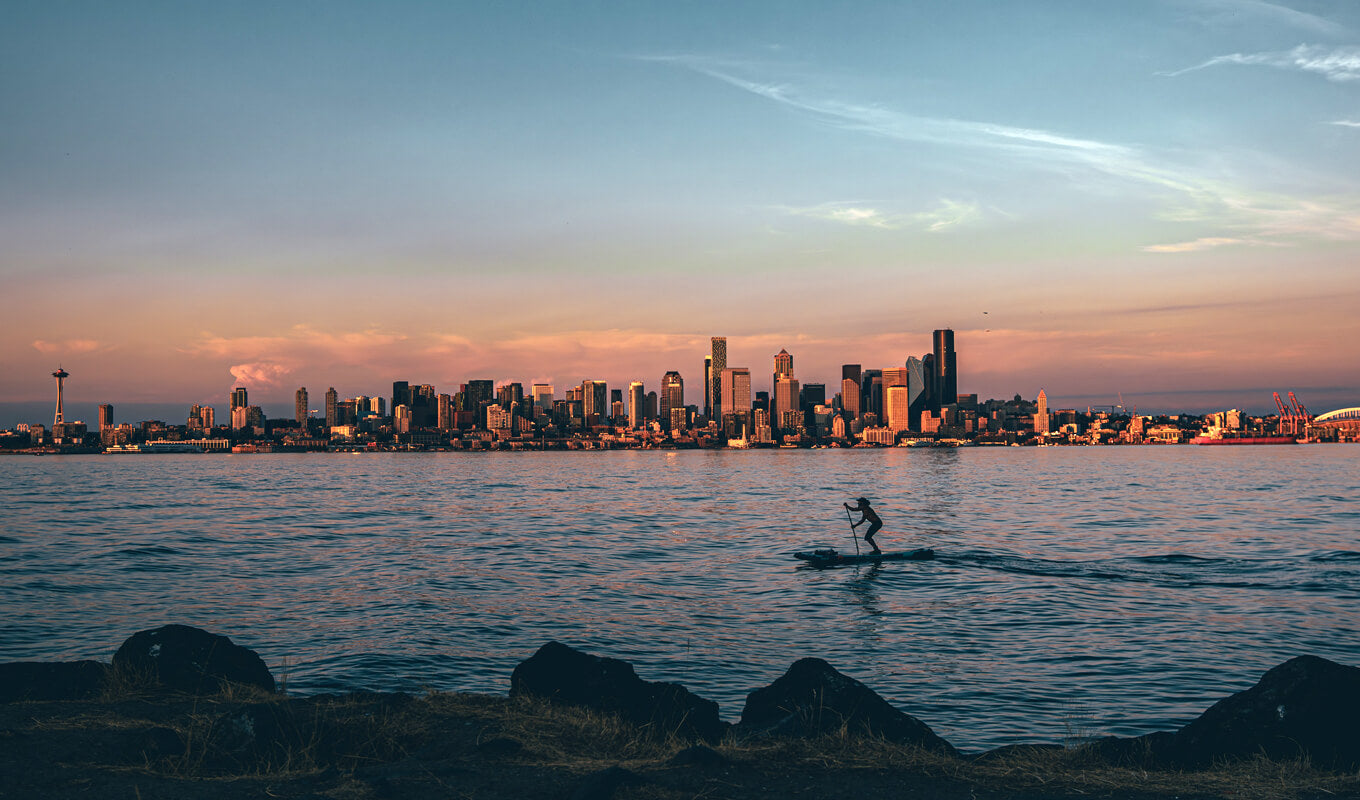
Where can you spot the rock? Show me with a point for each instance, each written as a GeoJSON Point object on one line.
{"type": "Point", "coordinates": [562, 674]}
{"type": "Point", "coordinates": [697, 756]}
{"type": "Point", "coordinates": [192, 660]}
{"type": "Point", "coordinates": [813, 699]}
{"type": "Point", "coordinates": [1307, 706]}
{"type": "Point", "coordinates": [602, 785]}
{"type": "Point", "coordinates": [51, 680]}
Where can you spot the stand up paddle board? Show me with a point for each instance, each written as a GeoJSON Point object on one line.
{"type": "Point", "coordinates": [830, 558]}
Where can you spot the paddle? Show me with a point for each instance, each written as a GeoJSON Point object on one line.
{"type": "Point", "coordinates": [852, 531]}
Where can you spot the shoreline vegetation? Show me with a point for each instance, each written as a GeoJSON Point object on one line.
{"type": "Point", "coordinates": [181, 712]}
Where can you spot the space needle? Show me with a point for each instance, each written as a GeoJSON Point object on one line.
{"type": "Point", "coordinates": [61, 375]}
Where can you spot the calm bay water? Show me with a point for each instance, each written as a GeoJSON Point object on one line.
{"type": "Point", "coordinates": [1077, 591]}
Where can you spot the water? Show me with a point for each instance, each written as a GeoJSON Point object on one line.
{"type": "Point", "coordinates": [1078, 591]}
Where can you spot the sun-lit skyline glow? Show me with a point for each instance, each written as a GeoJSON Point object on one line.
{"type": "Point", "coordinates": [1157, 200]}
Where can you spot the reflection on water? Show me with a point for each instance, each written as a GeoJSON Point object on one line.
{"type": "Point", "coordinates": [1115, 590]}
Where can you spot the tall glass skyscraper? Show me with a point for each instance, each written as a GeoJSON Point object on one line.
{"type": "Point", "coordinates": [946, 369]}
{"type": "Point", "coordinates": [672, 396]}
{"type": "Point", "coordinates": [716, 367]}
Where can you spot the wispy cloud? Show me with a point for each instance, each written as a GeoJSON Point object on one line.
{"type": "Point", "coordinates": [1340, 64]}
{"type": "Point", "coordinates": [1217, 13]}
{"type": "Point", "coordinates": [948, 214]}
{"type": "Point", "coordinates": [1205, 243]}
{"type": "Point", "coordinates": [1188, 194]}
{"type": "Point", "coordinates": [71, 346]}
{"type": "Point", "coordinates": [1346, 123]}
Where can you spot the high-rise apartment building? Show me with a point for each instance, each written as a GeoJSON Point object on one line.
{"type": "Point", "coordinates": [332, 403]}
{"type": "Point", "coordinates": [445, 418]}
{"type": "Point", "coordinates": [105, 417]}
{"type": "Point", "coordinates": [672, 396]}
{"type": "Point", "coordinates": [300, 406]}
{"type": "Point", "coordinates": [946, 368]}
{"type": "Point", "coordinates": [637, 404]}
{"type": "Point", "coordinates": [206, 414]}
{"type": "Point", "coordinates": [717, 364]}
{"type": "Point", "coordinates": [239, 398]}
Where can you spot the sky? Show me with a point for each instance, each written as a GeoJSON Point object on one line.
{"type": "Point", "coordinates": [1151, 201]}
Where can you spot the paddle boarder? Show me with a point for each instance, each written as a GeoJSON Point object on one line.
{"type": "Point", "coordinates": [868, 515]}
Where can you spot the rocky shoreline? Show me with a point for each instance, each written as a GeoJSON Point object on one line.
{"type": "Point", "coordinates": [180, 712]}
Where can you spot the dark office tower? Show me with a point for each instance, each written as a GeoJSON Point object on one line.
{"type": "Point", "coordinates": [708, 386]}
{"type": "Point", "coordinates": [105, 417]}
{"type": "Point", "coordinates": [445, 420]}
{"type": "Point", "coordinates": [477, 393]}
{"type": "Point", "coordinates": [672, 396]}
{"type": "Point", "coordinates": [637, 405]}
{"type": "Point", "coordinates": [511, 394]}
{"type": "Point", "coordinates": [871, 391]}
{"type": "Point", "coordinates": [812, 395]}
{"type": "Point", "coordinates": [850, 372]}
{"type": "Point", "coordinates": [650, 412]}
{"type": "Point", "coordinates": [716, 367]}
{"type": "Point", "coordinates": [946, 368]}
{"type": "Point", "coordinates": [615, 396]}
{"type": "Point", "coordinates": [762, 402]}
{"type": "Point", "coordinates": [932, 383]}
{"type": "Point", "coordinates": [401, 395]}
{"type": "Point", "coordinates": [300, 406]}
{"type": "Point", "coordinates": [332, 401]}
{"type": "Point", "coordinates": [238, 398]}
{"type": "Point", "coordinates": [918, 394]}
{"type": "Point", "coordinates": [424, 406]}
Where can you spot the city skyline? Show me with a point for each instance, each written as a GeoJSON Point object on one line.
{"type": "Point", "coordinates": [1158, 202]}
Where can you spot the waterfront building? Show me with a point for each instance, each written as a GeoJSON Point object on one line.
{"type": "Point", "coordinates": [637, 409]}
{"type": "Point", "coordinates": [1041, 413]}
{"type": "Point", "coordinates": [300, 406]}
{"type": "Point", "coordinates": [716, 367]}
{"type": "Point", "coordinates": [946, 368]}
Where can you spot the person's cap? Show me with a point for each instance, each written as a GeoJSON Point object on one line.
{"type": "Point", "coordinates": [862, 500]}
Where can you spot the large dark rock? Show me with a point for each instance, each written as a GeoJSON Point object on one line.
{"type": "Point", "coordinates": [813, 699]}
{"type": "Point", "coordinates": [1307, 706]}
{"type": "Point", "coordinates": [564, 675]}
{"type": "Point", "coordinates": [51, 680]}
{"type": "Point", "coordinates": [191, 660]}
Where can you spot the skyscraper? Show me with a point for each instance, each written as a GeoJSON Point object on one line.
{"type": "Point", "coordinates": [850, 396]}
{"type": "Point", "coordinates": [918, 395]}
{"type": "Point", "coordinates": [445, 418]}
{"type": "Point", "coordinates": [672, 396]}
{"type": "Point", "coordinates": [594, 402]}
{"type": "Point", "coordinates": [543, 396]}
{"type": "Point", "coordinates": [105, 417]}
{"type": "Point", "coordinates": [238, 398]}
{"type": "Point", "coordinates": [637, 400]}
{"type": "Point", "coordinates": [735, 390]}
{"type": "Point", "coordinates": [300, 406]}
{"type": "Point", "coordinates": [783, 364]}
{"type": "Point", "coordinates": [946, 368]}
{"type": "Point", "coordinates": [897, 399]}
{"type": "Point", "coordinates": [708, 386]}
{"type": "Point", "coordinates": [719, 363]}
{"type": "Point", "coordinates": [332, 398]}
{"type": "Point", "coordinates": [1041, 414]}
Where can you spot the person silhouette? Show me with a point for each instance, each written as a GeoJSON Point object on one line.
{"type": "Point", "coordinates": [868, 515]}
